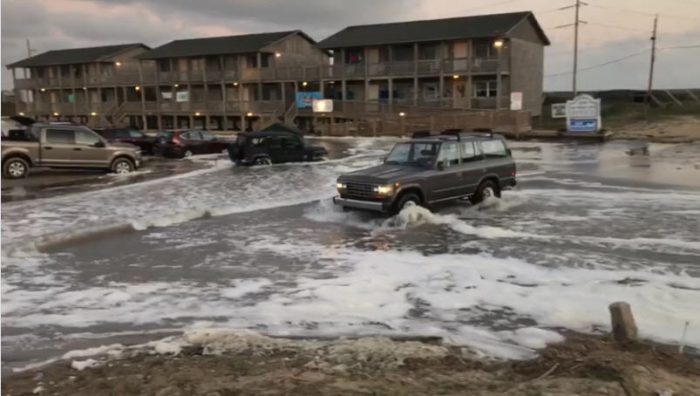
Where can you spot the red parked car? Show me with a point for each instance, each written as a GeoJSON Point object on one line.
{"type": "Point", "coordinates": [188, 142]}
{"type": "Point", "coordinates": [129, 135]}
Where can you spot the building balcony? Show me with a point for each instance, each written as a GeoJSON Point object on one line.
{"type": "Point", "coordinates": [420, 68]}
{"type": "Point", "coordinates": [207, 107]}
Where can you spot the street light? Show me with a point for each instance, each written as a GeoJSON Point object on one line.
{"type": "Point", "coordinates": [176, 85]}
{"type": "Point", "coordinates": [498, 43]}
{"type": "Point", "coordinates": [55, 114]}
{"type": "Point", "coordinates": [43, 90]}
{"type": "Point", "coordinates": [277, 54]}
{"type": "Point", "coordinates": [304, 84]}
{"type": "Point", "coordinates": [84, 88]}
{"type": "Point", "coordinates": [235, 83]}
{"type": "Point", "coordinates": [455, 76]}
{"type": "Point", "coordinates": [402, 114]}
{"type": "Point", "coordinates": [118, 64]}
{"type": "Point", "coordinates": [93, 113]}
{"type": "Point", "coordinates": [249, 114]}
{"type": "Point", "coordinates": [21, 113]}
{"type": "Point", "coordinates": [137, 88]}
{"type": "Point", "coordinates": [197, 114]}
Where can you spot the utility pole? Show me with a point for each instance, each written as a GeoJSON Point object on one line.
{"type": "Point", "coordinates": [651, 66]}
{"type": "Point", "coordinates": [29, 49]}
{"type": "Point", "coordinates": [576, 22]}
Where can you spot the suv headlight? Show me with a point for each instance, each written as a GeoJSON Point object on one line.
{"type": "Point", "coordinates": [384, 190]}
{"type": "Point", "coordinates": [341, 186]}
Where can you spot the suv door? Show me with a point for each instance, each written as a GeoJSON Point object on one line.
{"type": "Point", "coordinates": [57, 147]}
{"type": "Point", "coordinates": [273, 144]}
{"type": "Point", "coordinates": [193, 142]}
{"type": "Point", "coordinates": [89, 151]}
{"type": "Point", "coordinates": [211, 144]}
{"type": "Point", "coordinates": [447, 182]}
{"type": "Point", "coordinates": [293, 148]}
{"type": "Point", "coordinates": [472, 166]}
{"type": "Point", "coordinates": [498, 160]}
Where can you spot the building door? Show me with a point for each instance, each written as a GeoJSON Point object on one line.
{"type": "Point", "coordinates": [459, 56]}
{"type": "Point", "coordinates": [459, 93]}
{"type": "Point", "coordinates": [373, 92]}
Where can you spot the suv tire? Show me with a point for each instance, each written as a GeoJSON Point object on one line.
{"type": "Point", "coordinates": [265, 161]}
{"type": "Point", "coordinates": [15, 168]}
{"type": "Point", "coordinates": [487, 188]}
{"type": "Point", "coordinates": [405, 200]}
{"type": "Point", "coordinates": [122, 166]}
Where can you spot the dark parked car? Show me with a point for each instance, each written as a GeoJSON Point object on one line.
{"type": "Point", "coordinates": [271, 147]}
{"type": "Point", "coordinates": [129, 135]}
{"type": "Point", "coordinates": [431, 169]}
{"type": "Point", "coordinates": [188, 142]}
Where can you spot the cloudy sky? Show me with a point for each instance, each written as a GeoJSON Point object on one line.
{"type": "Point", "coordinates": [616, 29]}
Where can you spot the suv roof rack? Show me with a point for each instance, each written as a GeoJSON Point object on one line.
{"type": "Point", "coordinates": [459, 134]}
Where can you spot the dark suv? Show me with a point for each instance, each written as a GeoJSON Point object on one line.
{"type": "Point", "coordinates": [431, 169]}
{"type": "Point", "coordinates": [268, 147]}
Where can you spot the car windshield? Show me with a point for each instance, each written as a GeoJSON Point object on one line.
{"type": "Point", "coordinates": [422, 154]}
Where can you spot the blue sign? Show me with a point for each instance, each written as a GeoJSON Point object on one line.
{"type": "Point", "coordinates": [305, 99]}
{"type": "Point", "coordinates": [579, 125]}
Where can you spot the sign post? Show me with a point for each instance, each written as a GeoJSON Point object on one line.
{"type": "Point", "coordinates": [583, 114]}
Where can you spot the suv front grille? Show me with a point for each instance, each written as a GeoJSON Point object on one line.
{"type": "Point", "coordinates": [360, 190]}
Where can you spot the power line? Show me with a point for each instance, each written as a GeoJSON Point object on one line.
{"type": "Point", "coordinates": [610, 62]}
{"type": "Point", "coordinates": [680, 47]}
{"type": "Point", "coordinates": [649, 14]}
{"type": "Point", "coordinates": [617, 27]}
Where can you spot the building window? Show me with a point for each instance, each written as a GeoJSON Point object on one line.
{"type": "Point", "coordinates": [482, 49]}
{"type": "Point", "coordinates": [485, 89]}
{"type": "Point", "coordinates": [354, 55]}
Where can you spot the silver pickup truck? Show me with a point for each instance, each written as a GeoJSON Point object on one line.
{"type": "Point", "coordinates": [65, 146]}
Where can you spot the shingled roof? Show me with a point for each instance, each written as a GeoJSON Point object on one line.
{"type": "Point", "coordinates": [478, 26]}
{"type": "Point", "coordinates": [75, 55]}
{"type": "Point", "coordinates": [240, 44]}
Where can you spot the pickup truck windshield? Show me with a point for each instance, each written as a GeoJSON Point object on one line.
{"type": "Point", "coordinates": [422, 154]}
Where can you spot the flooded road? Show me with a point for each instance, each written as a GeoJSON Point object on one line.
{"type": "Point", "coordinates": [264, 248]}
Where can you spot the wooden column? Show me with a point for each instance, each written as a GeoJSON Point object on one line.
{"type": "Point", "coordinates": [14, 84]}
{"type": "Point", "coordinates": [60, 91]}
{"type": "Point", "coordinates": [206, 95]}
{"type": "Point", "coordinates": [344, 88]}
{"type": "Point", "coordinates": [142, 92]}
{"type": "Point", "coordinates": [100, 107]}
{"type": "Point", "coordinates": [415, 74]}
{"type": "Point", "coordinates": [499, 81]}
{"type": "Point", "coordinates": [159, 118]}
{"type": "Point", "coordinates": [222, 82]}
{"type": "Point", "coordinates": [390, 86]}
{"type": "Point", "coordinates": [71, 70]}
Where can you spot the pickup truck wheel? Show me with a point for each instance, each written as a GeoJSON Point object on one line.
{"type": "Point", "coordinates": [187, 154]}
{"type": "Point", "coordinates": [122, 166]}
{"type": "Point", "coordinates": [262, 161]}
{"type": "Point", "coordinates": [15, 168]}
{"type": "Point", "coordinates": [406, 200]}
{"type": "Point", "coordinates": [487, 189]}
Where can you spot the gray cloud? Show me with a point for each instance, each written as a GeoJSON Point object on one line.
{"type": "Point", "coordinates": [155, 22]}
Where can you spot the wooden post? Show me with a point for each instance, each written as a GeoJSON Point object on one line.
{"type": "Point", "coordinates": [623, 327]}
{"type": "Point", "coordinates": [142, 93]}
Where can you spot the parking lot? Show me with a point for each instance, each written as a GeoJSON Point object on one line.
{"type": "Point", "coordinates": [264, 248]}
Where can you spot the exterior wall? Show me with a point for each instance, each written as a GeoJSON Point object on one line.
{"type": "Point", "coordinates": [527, 76]}
{"type": "Point", "coordinates": [296, 50]}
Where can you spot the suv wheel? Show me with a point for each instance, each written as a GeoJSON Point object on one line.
{"type": "Point", "coordinates": [262, 161]}
{"type": "Point", "coordinates": [487, 189]}
{"type": "Point", "coordinates": [15, 168]}
{"type": "Point", "coordinates": [406, 200]}
{"type": "Point", "coordinates": [187, 154]}
{"type": "Point", "coordinates": [122, 166]}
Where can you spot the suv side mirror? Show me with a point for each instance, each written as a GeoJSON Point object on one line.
{"type": "Point", "coordinates": [99, 143]}
{"type": "Point", "coordinates": [510, 154]}
{"type": "Point", "coordinates": [440, 166]}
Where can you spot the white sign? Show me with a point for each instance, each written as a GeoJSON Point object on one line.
{"type": "Point", "coordinates": [558, 110]}
{"type": "Point", "coordinates": [182, 96]}
{"type": "Point", "coordinates": [583, 114]}
{"type": "Point", "coordinates": [167, 95]}
{"type": "Point", "coordinates": [322, 105]}
{"type": "Point", "coordinates": [516, 100]}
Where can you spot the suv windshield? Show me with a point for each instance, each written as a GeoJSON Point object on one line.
{"type": "Point", "coordinates": [422, 154]}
